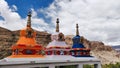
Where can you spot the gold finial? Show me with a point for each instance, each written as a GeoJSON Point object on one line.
{"type": "Point", "coordinates": [77, 31]}
{"type": "Point", "coordinates": [57, 25]}
{"type": "Point", "coordinates": [29, 20]}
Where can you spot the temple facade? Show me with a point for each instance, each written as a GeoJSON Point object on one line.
{"type": "Point", "coordinates": [26, 46]}
{"type": "Point", "coordinates": [57, 46]}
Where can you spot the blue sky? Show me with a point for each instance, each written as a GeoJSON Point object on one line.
{"type": "Point", "coordinates": [23, 6]}
{"type": "Point", "coordinates": [98, 20]}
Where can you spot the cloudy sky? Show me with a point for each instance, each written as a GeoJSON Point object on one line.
{"type": "Point", "coordinates": [99, 20]}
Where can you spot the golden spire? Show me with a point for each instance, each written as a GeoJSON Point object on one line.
{"type": "Point", "coordinates": [77, 31]}
{"type": "Point", "coordinates": [57, 25]}
{"type": "Point", "coordinates": [29, 20]}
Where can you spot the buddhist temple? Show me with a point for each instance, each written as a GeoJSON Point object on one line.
{"type": "Point", "coordinates": [26, 53]}
{"type": "Point", "coordinates": [78, 49]}
{"type": "Point", "coordinates": [57, 46]}
{"type": "Point", "coordinates": [26, 46]}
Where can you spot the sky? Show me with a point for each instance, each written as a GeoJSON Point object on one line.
{"type": "Point", "coordinates": [98, 20]}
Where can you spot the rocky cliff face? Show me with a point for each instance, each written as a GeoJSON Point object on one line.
{"type": "Point", "coordinates": [5, 39]}
{"type": "Point", "coordinates": [105, 53]}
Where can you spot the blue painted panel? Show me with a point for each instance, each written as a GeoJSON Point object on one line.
{"type": "Point", "coordinates": [77, 43]}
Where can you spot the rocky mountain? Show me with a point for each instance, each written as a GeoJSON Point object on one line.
{"type": "Point", "coordinates": [5, 42]}
{"type": "Point", "coordinates": [104, 52]}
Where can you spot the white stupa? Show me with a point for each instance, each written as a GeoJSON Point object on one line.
{"type": "Point", "coordinates": [57, 46]}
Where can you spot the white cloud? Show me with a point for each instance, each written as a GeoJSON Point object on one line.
{"type": "Point", "coordinates": [98, 19]}
{"type": "Point", "coordinates": [14, 8]}
{"type": "Point", "coordinates": [37, 23]}
{"type": "Point", "coordinates": [13, 21]}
